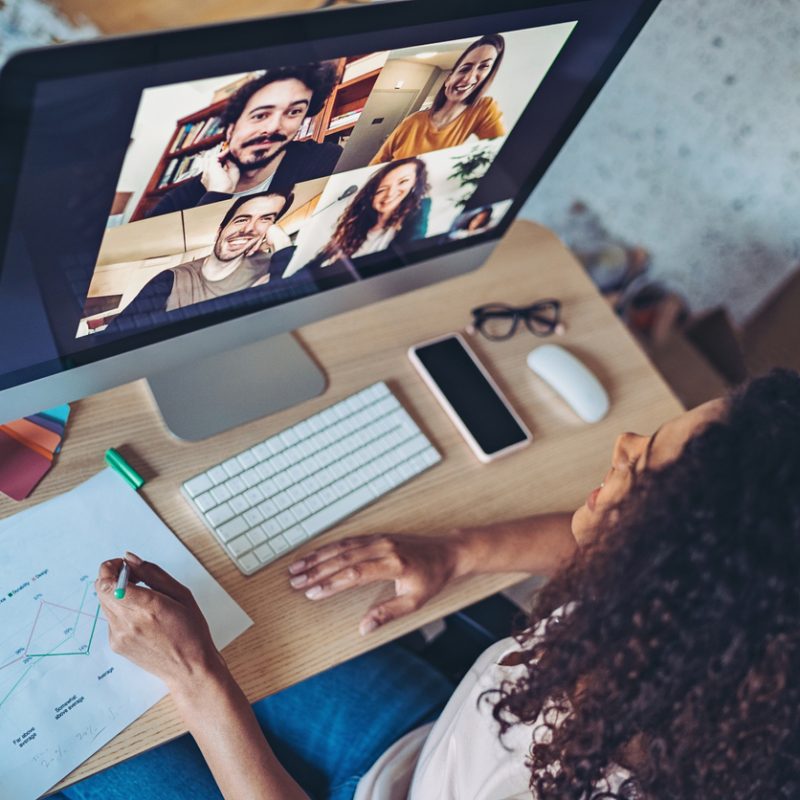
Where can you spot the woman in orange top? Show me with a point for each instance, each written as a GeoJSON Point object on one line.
{"type": "Point", "coordinates": [459, 109]}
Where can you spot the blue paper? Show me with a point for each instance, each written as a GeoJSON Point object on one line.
{"type": "Point", "coordinates": [59, 413]}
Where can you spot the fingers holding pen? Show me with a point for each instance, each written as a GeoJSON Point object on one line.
{"type": "Point", "coordinates": [140, 571]}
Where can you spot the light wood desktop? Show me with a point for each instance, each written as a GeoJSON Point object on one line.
{"type": "Point", "coordinates": [292, 637]}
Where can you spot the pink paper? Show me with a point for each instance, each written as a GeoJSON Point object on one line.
{"type": "Point", "coordinates": [20, 468]}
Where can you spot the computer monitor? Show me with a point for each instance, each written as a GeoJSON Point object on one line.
{"type": "Point", "coordinates": [173, 204]}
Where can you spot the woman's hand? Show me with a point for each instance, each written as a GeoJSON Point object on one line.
{"type": "Point", "coordinates": [159, 626]}
{"type": "Point", "coordinates": [420, 566]}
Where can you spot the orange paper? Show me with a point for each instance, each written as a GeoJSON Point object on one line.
{"type": "Point", "coordinates": [10, 429]}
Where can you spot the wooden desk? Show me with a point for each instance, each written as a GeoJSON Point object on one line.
{"type": "Point", "coordinates": [294, 638]}
{"type": "Point", "coordinates": [147, 15]}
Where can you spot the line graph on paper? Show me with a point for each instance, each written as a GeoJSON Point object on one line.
{"type": "Point", "coordinates": [61, 628]}
{"type": "Point", "coordinates": [64, 692]}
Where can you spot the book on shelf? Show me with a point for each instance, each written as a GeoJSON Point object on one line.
{"type": "Point", "coordinates": [306, 129]}
{"type": "Point", "coordinates": [193, 132]}
{"type": "Point", "coordinates": [180, 168]}
{"type": "Point", "coordinates": [181, 136]}
{"type": "Point", "coordinates": [345, 119]}
{"type": "Point", "coordinates": [167, 174]}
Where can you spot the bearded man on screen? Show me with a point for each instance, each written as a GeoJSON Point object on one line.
{"type": "Point", "coordinates": [261, 122]}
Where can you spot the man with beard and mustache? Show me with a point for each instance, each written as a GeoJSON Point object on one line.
{"type": "Point", "coordinates": [250, 251]}
{"type": "Point", "coordinates": [261, 120]}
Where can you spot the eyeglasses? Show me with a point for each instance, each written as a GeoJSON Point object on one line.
{"type": "Point", "coordinates": [498, 321]}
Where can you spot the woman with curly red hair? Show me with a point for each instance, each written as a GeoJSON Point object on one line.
{"type": "Point", "coordinates": [392, 206]}
{"type": "Point", "coordinates": [661, 661]}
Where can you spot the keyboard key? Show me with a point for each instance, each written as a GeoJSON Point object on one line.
{"type": "Point", "coordinates": [220, 493]}
{"type": "Point", "coordinates": [288, 437]}
{"type": "Point", "coordinates": [261, 452]}
{"type": "Point", "coordinates": [282, 480]}
{"type": "Point", "coordinates": [253, 496]}
{"type": "Point", "coordinates": [199, 485]}
{"type": "Point", "coordinates": [295, 535]}
{"type": "Point", "coordinates": [303, 429]}
{"type": "Point", "coordinates": [235, 485]}
{"type": "Point", "coordinates": [231, 529]}
{"type": "Point", "coordinates": [302, 509]}
{"type": "Point", "coordinates": [251, 477]}
{"type": "Point", "coordinates": [280, 462]}
{"type": "Point", "coordinates": [205, 502]}
{"type": "Point", "coordinates": [256, 536]}
{"type": "Point", "coordinates": [217, 475]}
{"type": "Point", "coordinates": [248, 562]}
{"type": "Point", "coordinates": [313, 503]}
{"type": "Point", "coordinates": [296, 493]}
{"type": "Point", "coordinates": [285, 519]}
{"type": "Point", "coordinates": [220, 514]}
{"type": "Point", "coordinates": [239, 546]}
{"type": "Point", "coordinates": [247, 459]}
{"type": "Point", "coordinates": [282, 501]}
{"type": "Point", "coordinates": [271, 528]}
{"type": "Point", "coordinates": [266, 469]}
{"type": "Point", "coordinates": [252, 517]}
{"type": "Point", "coordinates": [239, 504]}
{"type": "Point", "coordinates": [297, 472]}
{"type": "Point", "coordinates": [274, 444]}
{"type": "Point", "coordinates": [232, 467]}
{"type": "Point", "coordinates": [264, 553]}
{"type": "Point", "coordinates": [268, 509]}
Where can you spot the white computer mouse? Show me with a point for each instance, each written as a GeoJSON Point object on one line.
{"type": "Point", "coordinates": [570, 378]}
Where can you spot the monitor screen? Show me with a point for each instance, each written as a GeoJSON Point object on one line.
{"type": "Point", "coordinates": [161, 184]}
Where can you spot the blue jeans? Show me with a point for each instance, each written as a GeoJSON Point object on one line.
{"type": "Point", "coordinates": [327, 732]}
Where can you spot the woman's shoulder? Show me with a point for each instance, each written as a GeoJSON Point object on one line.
{"type": "Point", "coordinates": [487, 106]}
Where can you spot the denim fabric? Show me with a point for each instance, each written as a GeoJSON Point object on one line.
{"type": "Point", "coordinates": [327, 731]}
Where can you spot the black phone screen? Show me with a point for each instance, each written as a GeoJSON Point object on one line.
{"type": "Point", "coordinates": [472, 397]}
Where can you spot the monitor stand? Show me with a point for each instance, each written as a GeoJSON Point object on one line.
{"type": "Point", "coordinates": [212, 394]}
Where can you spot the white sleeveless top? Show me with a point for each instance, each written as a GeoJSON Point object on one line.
{"type": "Point", "coordinates": [461, 755]}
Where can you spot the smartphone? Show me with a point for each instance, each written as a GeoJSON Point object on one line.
{"type": "Point", "coordinates": [470, 397]}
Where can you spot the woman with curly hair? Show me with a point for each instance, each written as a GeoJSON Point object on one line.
{"type": "Point", "coordinates": [662, 660]}
{"type": "Point", "coordinates": [392, 206]}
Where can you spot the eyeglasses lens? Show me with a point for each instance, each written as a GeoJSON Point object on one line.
{"type": "Point", "coordinates": [495, 322]}
{"type": "Point", "coordinates": [542, 319]}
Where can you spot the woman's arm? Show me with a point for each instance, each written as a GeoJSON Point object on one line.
{"type": "Point", "coordinates": [421, 566]}
{"type": "Point", "coordinates": [538, 545]}
{"type": "Point", "coordinates": [161, 628]}
{"type": "Point", "coordinates": [222, 723]}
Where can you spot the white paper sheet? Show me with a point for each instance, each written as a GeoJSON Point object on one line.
{"type": "Point", "coordinates": [63, 692]}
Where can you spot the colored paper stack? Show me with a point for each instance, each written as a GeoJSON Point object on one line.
{"type": "Point", "coordinates": [27, 449]}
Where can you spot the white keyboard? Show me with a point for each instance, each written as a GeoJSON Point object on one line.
{"type": "Point", "coordinates": [271, 498]}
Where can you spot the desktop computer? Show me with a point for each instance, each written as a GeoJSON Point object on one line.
{"type": "Point", "coordinates": [174, 204]}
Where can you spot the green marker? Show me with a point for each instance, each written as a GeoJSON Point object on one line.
{"type": "Point", "coordinates": [124, 469]}
{"type": "Point", "coordinates": [122, 581]}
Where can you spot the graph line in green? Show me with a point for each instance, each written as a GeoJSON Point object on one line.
{"type": "Point", "coordinates": [39, 656]}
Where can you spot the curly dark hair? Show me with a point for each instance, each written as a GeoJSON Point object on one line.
{"type": "Point", "coordinates": [683, 629]}
{"type": "Point", "coordinates": [359, 217]}
{"type": "Point", "coordinates": [320, 77]}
